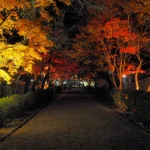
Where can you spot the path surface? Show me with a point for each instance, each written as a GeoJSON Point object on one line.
{"type": "Point", "coordinates": [77, 122]}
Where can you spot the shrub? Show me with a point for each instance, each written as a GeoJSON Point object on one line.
{"type": "Point", "coordinates": [131, 99]}
{"type": "Point", "coordinates": [143, 107]}
{"type": "Point", "coordinates": [30, 100]}
{"type": "Point", "coordinates": [126, 99]}
{"type": "Point", "coordinates": [12, 106]}
{"type": "Point", "coordinates": [16, 105]}
{"type": "Point", "coordinates": [118, 100]}
{"type": "Point", "coordinates": [6, 90]}
{"type": "Point", "coordinates": [2, 118]}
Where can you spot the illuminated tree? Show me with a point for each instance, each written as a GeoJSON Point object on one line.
{"type": "Point", "coordinates": [21, 17]}
{"type": "Point", "coordinates": [87, 55]}
{"type": "Point", "coordinates": [117, 31]}
{"type": "Point", "coordinates": [107, 45]}
{"type": "Point", "coordinates": [141, 8]}
{"type": "Point", "coordinates": [137, 13]}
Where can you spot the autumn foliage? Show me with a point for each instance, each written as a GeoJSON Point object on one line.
{"type": "Point", "coordinates": [32, 31]}
{"type": "Point", "coordinates": [115, 35]}
{"type": "Point", "coordinates": [115, 32]}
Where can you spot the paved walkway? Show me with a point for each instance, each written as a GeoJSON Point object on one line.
{"type": "Point", "coordinates": [77, 122]}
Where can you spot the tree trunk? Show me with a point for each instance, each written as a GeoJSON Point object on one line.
{"type": "Point", "coordinates": [137, 75]}
{"type": "Point", "coordinates": [114, 81]}
{"type": "Point", "coordinates": [120, 83]}
{"type": "Point", "coordinates": [96, 80]}
{"type": "Point", "coordinates": [16, 87]}
{"type": "Point", "coordinates": [27, 83]}
{"type": "Point", "coordinates": [46, 78]}
{"type": "Point", "coordinates": [35, 82]}
{"type": "Point", "coordinates": [33, 10]}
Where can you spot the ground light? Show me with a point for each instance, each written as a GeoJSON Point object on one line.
{"type": "Point", "coordinates": [124, 76]}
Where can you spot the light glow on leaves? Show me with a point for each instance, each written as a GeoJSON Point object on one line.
{"type": "Point", "coordinates": [5, 76]}
{"type": "Point", "coordinates": [17, 55]}
{"type": "Point", "coordinates": [14, 56]}
{"type": "Point", "coordinates": [131, 69]}
{"type": "Point", "coordinates": [129, 49]}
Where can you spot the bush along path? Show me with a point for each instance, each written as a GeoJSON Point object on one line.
{"type": "Point", "coordinates": [133, 105]}
{"type": "Point", "coordinates": [18, 109]}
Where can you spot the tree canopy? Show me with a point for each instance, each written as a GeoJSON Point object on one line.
{"type": "Point", "coordinates": [31, 22]}
{"type": "Point", "coordinates": [99, 35]}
